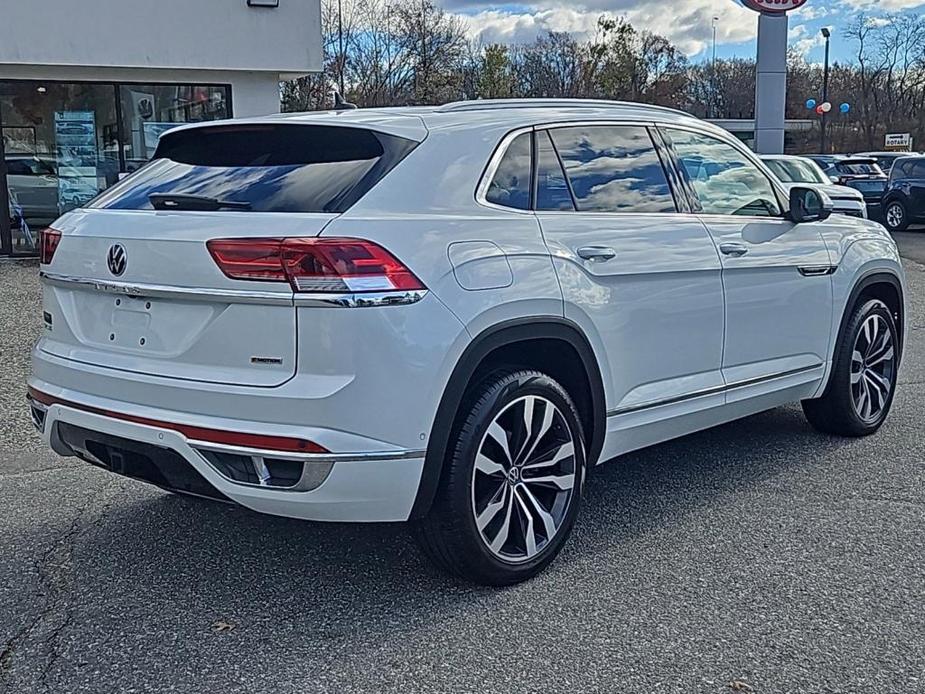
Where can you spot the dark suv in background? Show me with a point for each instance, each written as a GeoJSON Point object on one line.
{"type": "Point", "coordinates": [904, 198]}
{"type": "Point", "coordinates": [862, 174]}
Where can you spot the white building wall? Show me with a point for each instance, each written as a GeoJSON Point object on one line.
{"type": "Point", "coordinates": [185, 34]}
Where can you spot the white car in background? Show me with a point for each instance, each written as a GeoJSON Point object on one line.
{"type": "Point", "coordinates": [447, 315]}
{"type": "Point", "coordinates": [802, 171]}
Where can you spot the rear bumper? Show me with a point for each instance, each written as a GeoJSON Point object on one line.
{"type": "Point", "coordinates": [369, 486]}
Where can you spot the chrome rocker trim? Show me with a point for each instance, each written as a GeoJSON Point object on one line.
{"type": "Point", "coordinates": [711, 391]}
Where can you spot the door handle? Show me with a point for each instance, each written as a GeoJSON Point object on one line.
{"type": "Point", "coordinates": [736, 250]}
{"type": "Point", "coordinates": [596, 253]}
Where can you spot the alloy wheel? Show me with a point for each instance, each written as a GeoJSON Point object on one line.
{"type": "Point", "coordinates": [873, 368]}
{"type": "Point", "coordinates": [523, 480]}
{"type": "Point", "coordinates": [895, 215]}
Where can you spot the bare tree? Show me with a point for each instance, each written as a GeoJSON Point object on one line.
{"type": "Point", "coordinates": [395, 52]}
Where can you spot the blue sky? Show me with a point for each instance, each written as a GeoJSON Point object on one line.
{"type": "Point", "coordinates": [688, 23]}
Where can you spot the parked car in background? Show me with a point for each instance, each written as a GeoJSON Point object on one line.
{"type": "Point", "coordinates": [825, 161]}
{"type": "Point", "coordinates": [801, 171]}
{"type": "Point", "coordinates": [904, 199]}
{"type": "Point", "coordinates": [863, 174]}
{"type": "Point", "coordinates": [34, 182]}
{"type": "Point", "coordinates": [449, 314]}
{"type": "Point", "coordinates": [885, 160]}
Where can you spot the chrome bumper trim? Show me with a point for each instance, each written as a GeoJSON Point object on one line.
{"type": "Point", "coordinates": [360, 300]}
{"type": "Point", "coordinates": [308, 457]}
{"type": "Point", "coordinates": [238, 296]}
{"type": "Point", "coordinates": [241, 296]}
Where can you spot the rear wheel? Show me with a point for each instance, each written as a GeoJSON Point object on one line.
{"type": "Point", "coordinates": [863, 380]}
{"type": "Point", "coordinates": [895, 216]}
{"type": "Point", "coordinates": [511, 489]}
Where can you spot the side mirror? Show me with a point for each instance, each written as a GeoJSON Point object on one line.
{"type": "Point", "coordinates": [809, 205]}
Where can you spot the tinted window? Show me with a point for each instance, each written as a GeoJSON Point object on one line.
{"type": "Point", "coordinates": [859, 169]}
{"type": "Point", "coordinates": [613, 169]}
{"type": "Point", "coordinates": [724, 179]}
{"type": "Point", "coordinates": [909, 168]}
{"type": "Point", "coordinates": [273, 168]}
{"type": "Point", "coordinates": [510, 185]}
{"type": "Point", "coordinates": [552, 191]}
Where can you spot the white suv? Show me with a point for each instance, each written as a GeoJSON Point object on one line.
{"type": "Point", "coordinates": [447, 315]}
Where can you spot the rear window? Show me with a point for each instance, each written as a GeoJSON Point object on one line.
{"type": "Point", "coordinates": [265, 168]}
{"type": "Point", "coordinates": [859, 168]}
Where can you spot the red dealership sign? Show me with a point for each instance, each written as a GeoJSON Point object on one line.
{"type": "Point", "coordinates": [773, 6]}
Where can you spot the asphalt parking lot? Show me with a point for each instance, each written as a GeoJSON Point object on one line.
{"type": "Point", "coordinates": [759, 557]}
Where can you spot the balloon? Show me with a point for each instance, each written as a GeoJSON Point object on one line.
{"type": "Point", "coordinates": [810, 104]}
{"type": "Point", "coordinates": [820, 110]}
{"type": "Point", "coordinates": [844, 108]}
{"type": "Point", "coordinates": [826, 107]}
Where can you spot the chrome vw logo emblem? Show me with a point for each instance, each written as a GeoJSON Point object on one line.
{"type": "Point", "coordinates": [116, 259]}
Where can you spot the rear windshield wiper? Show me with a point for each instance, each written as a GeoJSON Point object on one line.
{"type": "Point", "coordinates": [199, 203]}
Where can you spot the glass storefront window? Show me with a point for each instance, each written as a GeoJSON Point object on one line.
{"type": "Point", "coordinates": [55, 149]}
{"type": "Point", "coordinates": [149, 110]}
{"type": "Point", "coordinates": [63, 143]}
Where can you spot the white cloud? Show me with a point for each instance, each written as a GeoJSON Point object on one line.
{"type": "Point", "coordinates": [884, 5]}
{"type": "Point", "coordinates": [687, 23]}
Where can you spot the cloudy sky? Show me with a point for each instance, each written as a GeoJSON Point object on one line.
{"type": "Point", "coordinates": [688, 23]}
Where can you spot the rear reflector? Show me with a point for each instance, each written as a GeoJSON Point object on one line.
{"type": "Point", "coordinates": [48, 243]}
{"type": "Point", "coordinates": [314, 264]}
{"type": "Point", "coordinates": [229, 438]}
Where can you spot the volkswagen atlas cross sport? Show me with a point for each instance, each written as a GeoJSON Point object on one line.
{"type": "Point", "coordinates": [448, 315]}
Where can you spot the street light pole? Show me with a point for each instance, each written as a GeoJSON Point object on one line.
{"type": "Point", "coordinates": [340, 47]}
{"type": "Point", "coordinates": [825, 89]}
{"type": "Point", "coordinates": [713, 73]}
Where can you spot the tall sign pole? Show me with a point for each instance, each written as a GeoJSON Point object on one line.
{"type": "Point", "coordinates": [771, 77]}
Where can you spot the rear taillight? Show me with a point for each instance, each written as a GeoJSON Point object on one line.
{"type": "Point", "coordinates": [48, 243]}
{"type": "Point", "coordinates": [314, 264]}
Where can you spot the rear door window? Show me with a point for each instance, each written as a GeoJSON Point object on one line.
{"type": "Point", "coordinates": [264, 168]}
{"type": "Point", "coordinates": [613, 169]}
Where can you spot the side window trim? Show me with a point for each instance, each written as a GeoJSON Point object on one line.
{"type": "Point", "coordinates": [565, 176]}
{"type": "Point", "coordinates": [693, 200]}
{"type": "Point", "coordinates": [682, 198]}
{"type": "Point", "coordinates": [534, 169]}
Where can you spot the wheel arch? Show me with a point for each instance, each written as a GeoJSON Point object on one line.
{"type": "Point", "coordinates": [876, 284]}
{"type": "Point", "coordinates": [497, 341]}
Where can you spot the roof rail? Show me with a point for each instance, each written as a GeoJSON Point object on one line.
{"type": "Point", "coordinates": [492, 104]}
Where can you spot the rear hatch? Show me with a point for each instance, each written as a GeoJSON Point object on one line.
{"type": "Point", "coordinates": [131, 284]}
{"type": "Point", "coordinates": [863, 175]}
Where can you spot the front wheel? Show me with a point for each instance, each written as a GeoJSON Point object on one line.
{"type": "Point", "coordinates": [895, 216]}
{"type": "Point", "coordinates": [860, 392]}
{"type": "Point", "coordinates": [511, 488]}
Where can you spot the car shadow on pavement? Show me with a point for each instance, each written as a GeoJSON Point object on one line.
{"type": "Point", "coordinates": [193, 562]}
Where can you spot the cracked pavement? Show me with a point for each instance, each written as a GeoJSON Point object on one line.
{"type": "Point", "coordinates": [760, 553]}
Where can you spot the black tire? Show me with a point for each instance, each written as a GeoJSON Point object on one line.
{"type": "Point", "coordinates": [899, 219]}
{"type": "Point", "coordinates": [840, 409]}
{"type": "Point", "coordinates": [450, 535]}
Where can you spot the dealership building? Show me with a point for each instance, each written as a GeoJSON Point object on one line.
{"type": "Point", "coordinates": [86, 88]}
